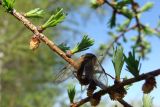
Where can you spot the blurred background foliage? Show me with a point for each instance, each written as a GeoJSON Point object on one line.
{"type": "Point", "coordinates": [27, 76]}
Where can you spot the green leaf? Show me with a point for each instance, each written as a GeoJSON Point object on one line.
{"type": "Point", "coordinates": [71, 93]}
{"type": "Point", "coordinates": [114, 36]}
{"type": "Point", "coordinates": [35, 13]}
{"type": "Point", "coordinates": [127, 13]}
{"type": "Point", "coordinates": [124, 39]}
{"type": "Point", "coordinates": [122, 27]}
{"type": "Point", "coordinates": [8, 5]}
{"type": "Point", "coordinates": [96, 3]}
{"type": "Point", "coordinates": [85, 43]}
{"type": "Point", "coordinates": [147, 100]}
{"type": "Point", "coordinates": [55, 19]}
{"type": "Point", "coordinates": [148, 30]}
{"type": "Point", "coordinates": [112, 21]}
{"type": "Point", "coordinates": [118, 61]}
{"type": "Point", "coordinates": [146, 7]}
{"type": "Point", "coordinates": [133, 65]}
{"type": "Point", "coordinates": [122, 3]}
{"type": "Point", "coordinates": [63, 47]}
{"type": "Point", "coordinates": [134, 38]}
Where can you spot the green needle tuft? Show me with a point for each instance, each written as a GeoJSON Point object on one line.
{"type": "Point", "coordinates": [8, 5]}
{"type": "Point", "coordinates": [118, 61]}
{"type": "Point", "coordinates": [71, 93]}
{"type": "Point", "coordinates": [35, 13]}
{"type": "Point", "coordinates": [55, 19]}
{"type": "Point", "coordinates": [133, 65]}
{"type": "Point", "coordinates": [85, 43]}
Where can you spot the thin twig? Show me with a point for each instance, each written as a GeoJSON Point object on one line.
{"type": "Point", "coordinates": [138, 24]}
{"type": "Point", "coordinates": [134, 8]}
{"type": "Point", "coordinates": [112, 5]}
{"type": "Point", "coordinates": [123, 83]}
{"type": "Point", "coordinates": [115, 40]}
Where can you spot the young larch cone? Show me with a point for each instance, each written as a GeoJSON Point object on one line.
{"type": "Point", "coordinates": [117, 93]}
{"type": "Point", "coordinates": [149, 84]}
{"type": "Point", "coordinates": [34, 42]}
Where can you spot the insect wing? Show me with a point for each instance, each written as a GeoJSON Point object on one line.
{"type": "Point", "coordinates": [100, 76]}
{"type": "Point", "coordinates": [64, 74]}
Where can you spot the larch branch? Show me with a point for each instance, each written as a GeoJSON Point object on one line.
{"type": "Point", "coordinates": [123, 83]}
{"type": "Point", "coordinates": [48, 42]}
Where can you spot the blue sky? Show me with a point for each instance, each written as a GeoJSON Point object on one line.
{"type": "Point", "coordinates": [97, 29]}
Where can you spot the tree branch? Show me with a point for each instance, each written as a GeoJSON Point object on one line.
{"type": "Point", "coordinates": [48, 42]}
{"type": "Point", "coordinates": [123, 83]}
